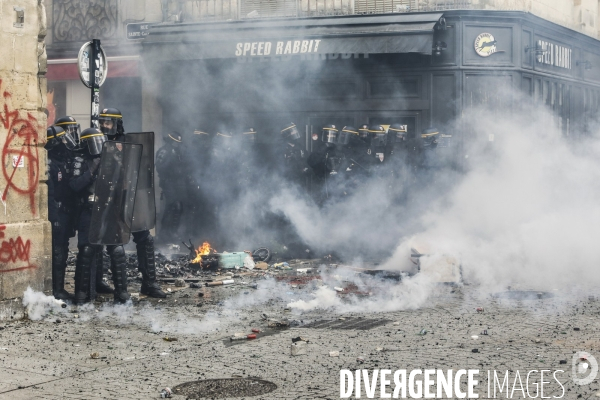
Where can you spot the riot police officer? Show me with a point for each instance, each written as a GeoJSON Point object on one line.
{"type": "Point", "coordinates": [111, 124]}
{"type": "Point", "coordinates": [325, 162]}
{"type": "Point", "coordinates": [197, 156]}
{"type": "Point", "coordinates": [170, 168]}
{"type": "Point", "coordinates": [61, 204]}
{"type": "Point", "coordinates": [292, 154]}
{"type": "Point", "coordinates": [82, 181]}
{"type": "Point", "coordinates": [379, 143]}
{"type": "Point", "coordinates": [70, 125]}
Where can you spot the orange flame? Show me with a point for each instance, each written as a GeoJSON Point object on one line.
{"type": "Point", "coordinates": [203, 250]}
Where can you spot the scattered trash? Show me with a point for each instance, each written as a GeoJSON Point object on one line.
{"type": "Point", "coordinates": [298, 348]}
{"type": "Point", "coordinates": [576, 329]}
{"type": "Point", "coordinates": [475, 350]}
{"type": "Point", "coordinates": [379, 349]}
{"type": "Point", "coordinates": [196, 285]}
{"type": "Point", "coordinates": [303, 271]}
{"type": "Point", "coordinates": [200, 294]}
{"type": "Point", "coordinates": [219, 283]}
{"type": "Point", "coordinates": [249, 263]}
{"type": "Point", "coordinates": [168, 290]}
{"type": "Point", "coordinates": [396, 323]}
{"type": "Point", "coordinates": [238, 338]}
{"type": "Point", "coordinates": [338, 289]}
{"type": "Point", "coordinates": [95, 355]}
{"type": "Point", "coordinates": [334, 354]}
{"type": "Point", "coordinates": [169, 339]}
{"type": "Point", "coordinates": [273, 323]}
{"type": "Point", "coordinates": [255, 330]}
{"type": "Point", "coordinates": [251, 336]}
{"type": "Point", "coordinates": [474, 337]}
{"type": "Point", "coordinates": [537, 341]}
{"type": "Point", "coordinates": [423, 332]}
{"type": "Point", "coordinates": [360, 359]}
{"type": "Point", "coordinates": [484, 332]}
{"type": "Point", "coordinates": [261, 265]}
{"type": "Point", "coordinates": [179, 282]}
{"type": "Point", "coordinates": [562, 362]}
{"type": "Point", "coordinates": [299, 339]}
{"type": "Point", "coordinates": [166, 393]}
{"type": "Point", "coordinates": [479, 309]}
{"type": "Point", "coordinates": [282, 265]}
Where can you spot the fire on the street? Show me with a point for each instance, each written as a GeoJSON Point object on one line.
{"type": "Point", "coordinates": [203, 250]}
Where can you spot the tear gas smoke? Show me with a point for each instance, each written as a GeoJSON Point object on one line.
{"type": "Point", "coordinates": [527, 209]}
{"type": "Point", "coordinates": [523, 209]}
{"type": "Point", "coordinates": [38, 305]}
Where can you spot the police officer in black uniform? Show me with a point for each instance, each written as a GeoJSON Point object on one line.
{"type": "Point", "coordinates": [325, 163]}
{"type": "Point", "coordinates": [61, 204]}
{"type": "Point", "coordinates": [197, 156]}
{"type": "Point", "coordinates": [111, 124]}
{"type": "Point", "coordinates": [82, 181]}
{"type": "Point", "coordinates": [294, 155]}
{"type": "Point", "coordinates": [172, 175]}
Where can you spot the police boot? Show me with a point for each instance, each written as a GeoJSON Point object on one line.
{"type": "Point", "coordinates": [59, 266]}
{"type": "Point", "coordinates": [85, 258]}
{"type": "Point", "coordinates": [118, 265]}
{"type": "Point", "coordinates": [101, 285]}
{"type": "Point", "coordinates": [147, 266]}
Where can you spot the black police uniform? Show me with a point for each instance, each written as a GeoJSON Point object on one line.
{"type": "Point", "coordinates": [82, 181]}
{"type": "Point", "coordinates": [61, 207]}
{"type": "Point", "coordinates": [172, 176]}
{"type": "Point", "coordinates": [144, 242]}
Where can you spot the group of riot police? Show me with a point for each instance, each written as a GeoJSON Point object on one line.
{"type": "Point", "coordinates": [74, 158]}
{"type": "Point", "coordinates": [199, 171]}
{"type": "Point", "coordinates": [346, 157]}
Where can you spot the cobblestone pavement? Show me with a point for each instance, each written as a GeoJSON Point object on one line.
{"type": "Point", "coordinates": [50, 358]}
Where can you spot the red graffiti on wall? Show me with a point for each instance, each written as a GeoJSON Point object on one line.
{"type": "Point", "coordinates": [14, 251]}
{"type": "Point", "coordinates": [20, 148]}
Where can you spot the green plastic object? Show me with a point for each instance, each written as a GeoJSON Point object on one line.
{"type": "Point", "coordinates": [231, 260]}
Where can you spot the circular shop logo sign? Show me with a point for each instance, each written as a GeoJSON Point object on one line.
{"type": "Point", "coordinates": [485, 44]}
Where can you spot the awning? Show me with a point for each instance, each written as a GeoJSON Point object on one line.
{"type": "Point", "coordinates": [380, 34]}
{"type": "Point", "coordinates": [64, 70]}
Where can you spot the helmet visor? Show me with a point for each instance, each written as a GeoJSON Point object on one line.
{"type": "Point", "coordinates": [108, 125]}
{"type": "Point", "coordinates": [379, 139]}
{"type": "Point", "coordinates": [68, 141]}
{"type": "Point", "coordinates": [329, 135]}
{"type": "Point", "coordinates": [291, 132]}
{"type": "Point", "coordinates": [94, 142]}
{"type": "Point", "coordinates": [344, 137]}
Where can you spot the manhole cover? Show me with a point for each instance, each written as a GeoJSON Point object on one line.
{"type": "Point", "coordinates": [348, 323]}
{"type": "Point", "coordinates": [221, 388]}
{"type": "Point", "coordinates": [523, 295]}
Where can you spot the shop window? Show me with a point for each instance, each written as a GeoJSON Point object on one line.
{"type": "Point", "coordinates": [394, 87]}
{"type": "Point", "coordinates": [333, 89]}
{"type": "Point", "coordinates": [56, 100]}
{"type": "Point", "coordinates": [538, 95]}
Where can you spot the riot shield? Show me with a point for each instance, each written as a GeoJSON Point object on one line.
{"type": "Point", "coordinates": [144, 212]}
{"type": "Point", "coordinates": [112, 208]}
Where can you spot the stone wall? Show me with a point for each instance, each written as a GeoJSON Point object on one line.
{"type": "Point", "coordinates": [25, 235]}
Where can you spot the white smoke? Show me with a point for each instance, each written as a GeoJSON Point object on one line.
{"type": "Point", "coordinates": [527, 210]}
{"type": "Point", "coordinates": [38, 305]}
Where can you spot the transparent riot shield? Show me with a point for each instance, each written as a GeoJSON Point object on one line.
{"type": "Point", "coordinates": [112, 210]}
{"type": "Point", "coordinates": [144, 212]}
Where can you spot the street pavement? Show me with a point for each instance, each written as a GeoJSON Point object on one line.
{"type": "Point", "coordinates": [51, 358]}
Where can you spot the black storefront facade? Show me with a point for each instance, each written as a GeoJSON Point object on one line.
{"type": "Point", "coordinates": [418, 69]}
